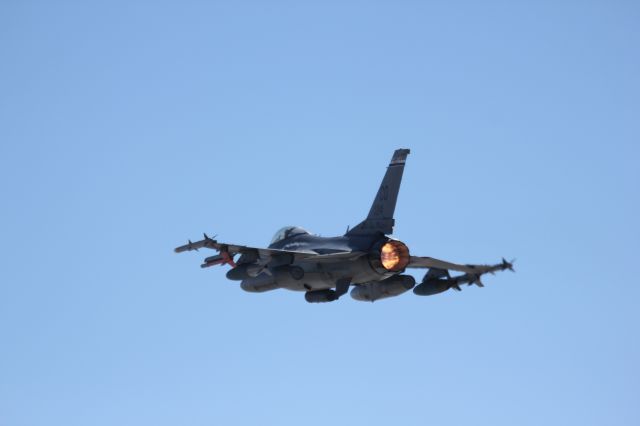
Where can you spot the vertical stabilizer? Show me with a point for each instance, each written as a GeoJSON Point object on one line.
{"type": "Point", "coordinates": [380, 218]}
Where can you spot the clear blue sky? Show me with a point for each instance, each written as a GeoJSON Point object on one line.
{"type": "Point", "coordinates": [126, 128]}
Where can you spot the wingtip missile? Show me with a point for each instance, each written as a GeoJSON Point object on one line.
{"type": "Point", "coordinates": [508, 265]}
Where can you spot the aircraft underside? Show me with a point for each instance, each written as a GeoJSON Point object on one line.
{"type": "Point", "coordinates": [309, 277]}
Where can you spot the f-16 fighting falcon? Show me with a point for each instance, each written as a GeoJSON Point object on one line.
{"type": "Point", "coordinates": [366, 257]}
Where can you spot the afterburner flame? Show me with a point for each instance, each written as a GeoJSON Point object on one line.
{"type": "Point", "coordinates": [394, 256]}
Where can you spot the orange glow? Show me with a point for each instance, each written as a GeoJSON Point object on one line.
{"type": "Point", "coordinates": [394, 256]}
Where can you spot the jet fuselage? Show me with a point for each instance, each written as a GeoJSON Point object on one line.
{"type": "Point", "coordinates": [309, 275]}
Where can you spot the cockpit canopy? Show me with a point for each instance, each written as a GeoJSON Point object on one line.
{"type": "Point", "coordinates": [287, 232]}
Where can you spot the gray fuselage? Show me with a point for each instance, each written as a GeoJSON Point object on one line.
{"type": "Point", "coordinates": [307, 275]}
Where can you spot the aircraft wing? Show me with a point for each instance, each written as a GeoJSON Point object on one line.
{"type": "Point", "coordinates": [227, 251]}
{"type": "Point", "coordinates": [430, 262]}
{"type": "Point", "coordinates": [233, 249]}
{"type": "Point", "coordinates": [437, 279]}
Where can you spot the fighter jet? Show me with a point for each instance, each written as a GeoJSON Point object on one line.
{"type": "Point", "coordinates": [366, 257]}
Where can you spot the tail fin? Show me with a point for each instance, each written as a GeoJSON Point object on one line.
{"type": "Point", "coordinates": [380, 218]}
